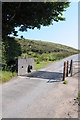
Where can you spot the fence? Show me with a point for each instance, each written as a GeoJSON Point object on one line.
{"type": "Point", "coordinates": [71, 68]}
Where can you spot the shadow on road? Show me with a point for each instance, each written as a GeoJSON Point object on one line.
{"type": "Point", "coordinates": [50, 76]}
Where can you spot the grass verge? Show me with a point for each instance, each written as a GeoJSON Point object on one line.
{"type": "Point", "coordinates": [6, 76]}
{"type": "Point", "coordinates": [41, 65]}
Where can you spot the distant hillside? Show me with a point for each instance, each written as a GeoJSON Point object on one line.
{"type": "Point", "coordinates": [43, 47]}
{"type": "Point", "coordinates": [39, 50]}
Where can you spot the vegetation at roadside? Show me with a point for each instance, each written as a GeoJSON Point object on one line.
{"type": "Point", "coordinates": [41, 64]}
{"type": "Point", "coordinates": [42, 52]}
{"type": "Point", "coordinates": [6, 76]}
{"type": "Point", "coordinates": [65, 82]}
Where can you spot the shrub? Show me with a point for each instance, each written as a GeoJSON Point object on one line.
{"type": "Point", "coordinates": [38, 62]}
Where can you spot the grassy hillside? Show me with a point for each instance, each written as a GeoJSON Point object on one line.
{"type": "Point", "coordinates": [42, 52]}
{"type": "Point", "coordinates": [36, 48]}
{"type": "Point", "coordinates": [39, 50]}
{"type": "Point", "coordinates": [43, 47]}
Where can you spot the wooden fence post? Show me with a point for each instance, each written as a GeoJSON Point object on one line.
{"type": "Point", "coordinates": [67, 68]}
{"type": "Point", "coordinates": [70, 71]}
{"type": "Point", "coordinates": [64, 71]}
{"type": "Point", "coordinates": [71, 67]}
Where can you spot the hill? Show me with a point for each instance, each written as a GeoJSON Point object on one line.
{"type": "Point", "coordinates": [42, 46]}
{"type": "Point", "coordinates": [41, 51]}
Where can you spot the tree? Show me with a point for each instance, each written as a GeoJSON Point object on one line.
{"type": "Point", "coordinates": [11, 49]}
{"type": "Point", "coordinates": [30, 15]}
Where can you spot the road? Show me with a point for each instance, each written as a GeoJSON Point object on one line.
{"type": "Point", "coordinates": [42, 95]}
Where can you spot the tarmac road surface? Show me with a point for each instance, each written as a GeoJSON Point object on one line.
{"type": "Point", "coordinates": [40, 95]}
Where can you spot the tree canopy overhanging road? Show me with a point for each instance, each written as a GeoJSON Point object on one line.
{"type": "Point", "coordinates": [30, 15]}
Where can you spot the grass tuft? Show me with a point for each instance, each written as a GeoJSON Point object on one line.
{"type": "Point", "coordinates": [65, 82]}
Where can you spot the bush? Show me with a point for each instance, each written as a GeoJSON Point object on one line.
{"type": "Point", "coordinates": [9, 67]}
{"type": "Point", "coordinates": [38, 62]}
{"type": "Point", "coordinates": [11, 49]}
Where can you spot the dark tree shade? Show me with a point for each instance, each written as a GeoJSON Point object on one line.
{"type": "Point", "coordinates": [30, 15]}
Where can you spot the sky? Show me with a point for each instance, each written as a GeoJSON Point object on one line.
{"type": "Point", "coordinates": [62, 32]}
